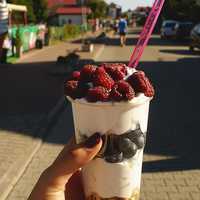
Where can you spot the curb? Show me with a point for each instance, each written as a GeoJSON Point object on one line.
{"type": "Point", "coordinates": [41, 133]}
{"type": "Point", "coordinates": [32, 53]}
{"type": "Point", "coordinates": [52, 118]}
{"type": "Point", "coordinates": [98, 53]}
{"type": "Point", "coordinates": [20, 170]}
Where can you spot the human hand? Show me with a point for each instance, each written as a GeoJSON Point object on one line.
{"type": "Point", "coordinates": [62, 180]}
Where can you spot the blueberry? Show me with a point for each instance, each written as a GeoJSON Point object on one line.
{"type": "Point", "coordinates": [104, 147]}
{"type": "Point", "coordinates": [85, 86]}
{"type": "Point", "coordinates": [124, 144]}
{"type": "Point", "coordinates": [115, 157]}
{"type": "Point", "coordinates": [127, 147]}
{"type": "Point", "coordinates": [111, 145]}
{"type": "Point", "coordinates": [140, 141]}
{"type": "Point", "coordinates": [131, 151]}
{"type": "Point", "coordinates": [134, 134]}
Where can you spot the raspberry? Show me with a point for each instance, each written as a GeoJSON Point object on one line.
{"type": "Point", "coordinates": [116, 71]}
{"type": "Point", "coordinates": [122, 90]}
{"type": "Point", "coordinates": [115, 94]}
{"type": "Point", "coordinates": [71, 88]}
{"type": "Point", "coordinates": [87, 72]}
{"type": "Point", "coordinates": [150, 92]}
{"type": "Point", "coordinates": [141, 84]}
{"type": "Point", "coordinates": [118, 75]}
{"type": "Point", "coordinates": [75, 89]}
{"type": "Point", "coordinates": [76, 75]}
{"type": "Point", "coordinates": [101, 78]}
{"type": "Point", "coordinates": [97, 94]}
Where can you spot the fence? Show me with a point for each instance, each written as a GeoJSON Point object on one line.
{"type": "Point", "coordinates": [25, 37]}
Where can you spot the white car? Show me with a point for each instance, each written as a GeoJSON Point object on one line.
{"type": "Point", "coordinates": [168, 29]}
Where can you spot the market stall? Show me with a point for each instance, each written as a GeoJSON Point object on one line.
{"type": "Point", "coordinates": [23, 37]}
{"type": "Point", "coordinates": [20, 10]}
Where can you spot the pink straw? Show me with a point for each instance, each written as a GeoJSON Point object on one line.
{"type": "Point", "coordinates": [146, 33]}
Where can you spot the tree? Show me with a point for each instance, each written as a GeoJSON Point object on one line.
{"type": "Point", "coordinates": [182, 10]}
{"type": "Point", "coordinates": [40, 10]}
{"type": "Point", "coordinates": [98, 7]}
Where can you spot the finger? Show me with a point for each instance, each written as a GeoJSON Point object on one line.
{"type": "Point", "coordinates": [74, 157]}
{"type": "Point", "coordinates": [74, 188]}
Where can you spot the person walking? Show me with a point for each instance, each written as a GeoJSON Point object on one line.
{"type": "Point", "coordinates": [3, 26]}
{"type": "Point", "coordinates": [122, 30]}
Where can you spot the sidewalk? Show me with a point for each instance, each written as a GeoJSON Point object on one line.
{"type": "Point", "coordinates": [29, 100]}
{"type": "Point", "coordinates": [61, 49]}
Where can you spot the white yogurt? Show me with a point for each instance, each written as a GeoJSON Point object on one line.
{"type": "Point", "coordinates": [100, 177]}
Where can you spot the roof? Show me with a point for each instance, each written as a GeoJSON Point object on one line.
{"type": "Point", "coordinates": [13, 7]}
{"type": "Point", "coordinates": [73, 10]}
{"type": "Point", "coordinates": [52, 3]}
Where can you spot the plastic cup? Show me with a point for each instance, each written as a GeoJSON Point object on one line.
{"type": "Point", "coordinates": [102, 179]}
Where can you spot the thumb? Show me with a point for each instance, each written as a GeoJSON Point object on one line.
{"type": "Point", "coordinates": [72, 158]}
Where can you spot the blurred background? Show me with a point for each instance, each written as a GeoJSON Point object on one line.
{"type": "Point", "coordinates": [48, 39]}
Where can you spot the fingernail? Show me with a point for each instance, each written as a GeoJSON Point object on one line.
{"type": "Point", "coordinates": [93, 140]}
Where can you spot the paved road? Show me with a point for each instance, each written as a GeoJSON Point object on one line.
{"type": "Point", "coordinates": [29, 94]}
{"type": "Point", "coordinates": [171, 169]}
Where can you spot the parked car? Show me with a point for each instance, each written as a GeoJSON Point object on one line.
{"type": "Point", "coordinates": [195, 37]}
{"type": "Point", "coordinates": [183, 29]}
{"type": "Point", "coordinates": [168, 29]}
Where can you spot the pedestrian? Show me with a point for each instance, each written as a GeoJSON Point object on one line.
{"type": "Point", "coordinates": [3, 26]}
{"type": "Point", "coordinates": [62, 180]}
{"type": "Point", "coordinates": [116, 25]}
{"type": "Point", "coordinates": [122, 30]}
{"type": "Point", "coordinates": [7, 45]}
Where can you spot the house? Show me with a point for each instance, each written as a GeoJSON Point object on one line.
{"type": "Point", "coordinates": [67, 12]}
{"type": "Point", "coordinates": [142, 11]}
{"type": "Point", "coordinates": [114, 11]}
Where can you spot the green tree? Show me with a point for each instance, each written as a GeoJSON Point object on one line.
{"type": "Point", "coordinates": [182, 10]}
{"type": "Point", "coordinates": [40, 10]}
{"type": "Point", "coordinates": [99, 8]}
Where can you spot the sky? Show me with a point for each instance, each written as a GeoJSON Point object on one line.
{"type": "Point", "coordinates": [131, 4]}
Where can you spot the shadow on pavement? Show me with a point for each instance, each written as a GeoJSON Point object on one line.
{"type": "Point", "coordinates": [27, 94]}
{"type": "Point", "coordinates": [181, 52]}
{"type": "Point", "coordinates": [28, 88]}
{"type": "Point", "coordinates": [174, 113]}
{"type": "Point", "coordinates": [132, 40]}
{"type": "Point", "coordinates": [176, 164]}
{"type": "Point", "coordinates": [174, 116]}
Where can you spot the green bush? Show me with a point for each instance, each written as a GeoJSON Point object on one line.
{"type": "Point", "coordinates": [141, 21]}
{"type": "Point", "coordinates": [19, 41]}
{"type": "Point", "coordinates": [66, 32]}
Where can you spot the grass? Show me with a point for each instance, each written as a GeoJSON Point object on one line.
{"type": "Point", "coordinates": [12, 59]}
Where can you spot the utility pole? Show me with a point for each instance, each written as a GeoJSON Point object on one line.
{"type": "Point", "coordinates": [84, 14]}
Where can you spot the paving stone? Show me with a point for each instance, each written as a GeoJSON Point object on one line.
{"type": "Point", "coordinates": [154, 182]}
{"type": "Point", "coordinates": [171, 188]}
{"type": "Point", "coordinates": [179, 196]}
{"type": "Point", "coordinates": [195, 196]}
{"type": "Point", "coordinates": [179, 182]}
{"type": "Point", "coordinates": [188, 188]}
{"type": "Point", "coordinates": [156, 196]}
{"type": "Point", "coordinates": [17, 146]}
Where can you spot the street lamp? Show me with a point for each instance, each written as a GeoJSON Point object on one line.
{"type": "Point", "coordinates": [86, 45]}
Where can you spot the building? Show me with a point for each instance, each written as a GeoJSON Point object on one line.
{"type": "Point", "coordinates": [55, 3]}
{"type": "Point", "coordinates": [114, 11]}
{"type": "Point", "coordinates": [67, 12]}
